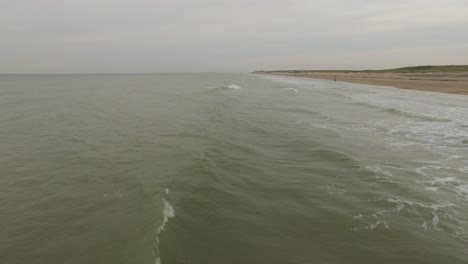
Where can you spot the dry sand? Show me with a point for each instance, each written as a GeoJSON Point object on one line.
{"type": "Point", "coordinates": [454, 83]}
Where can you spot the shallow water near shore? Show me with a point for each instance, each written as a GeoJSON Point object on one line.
{"type": "Point", "coordinates": [229, 168]}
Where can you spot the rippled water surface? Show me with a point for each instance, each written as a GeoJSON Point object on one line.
{"type": "Point", "coordinates": [229, 168]}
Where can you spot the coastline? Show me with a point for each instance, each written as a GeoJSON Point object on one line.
{"type": "Point", "coordinates": [442, 82]}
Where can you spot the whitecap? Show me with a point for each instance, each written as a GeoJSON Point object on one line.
{"type": "Point", "coordinates": [378, 218]}
{"type": "Point", "coordinates": [464, 169]}
{"type": "Point", "coordinates": [168, 212]}
{"type": "Point", "coordinates": [435, 220]}
{"type": "Point", "coordinates": [292, 90]}
{"type": "Point", "coordinates": [232, 86]}
{"type": "Point", "coordinates": [424, 226]}
{"type": "Point", "coordinates": [462, 189]}
{"type": "Point", "coordinates": [379, 170]}
{"type": "Point", "coordinates": [114, 195]}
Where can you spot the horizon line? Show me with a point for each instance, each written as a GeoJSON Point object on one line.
{"type": "Point", "coordinates": [97, 73]}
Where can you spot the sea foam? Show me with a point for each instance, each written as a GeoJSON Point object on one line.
{"type": "Point", "coordinates": [168, 212]}
{"type": "Point", "coordinates": [232, 86]}
{"type": "Point", "coordinates": [292, 90]}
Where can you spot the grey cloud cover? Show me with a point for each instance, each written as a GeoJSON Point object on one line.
{"type": "Point", "coordinates": [60, 36]}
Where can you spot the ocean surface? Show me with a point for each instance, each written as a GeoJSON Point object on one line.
{"type": "Point", "coordinates": [229, 168]}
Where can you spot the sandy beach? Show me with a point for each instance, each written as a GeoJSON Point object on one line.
{"type": "Point", "coordinates": [444, 82]}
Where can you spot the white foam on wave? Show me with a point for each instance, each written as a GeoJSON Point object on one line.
{"type": "Point", "coordinates": [335, 191]}
{"type": "Point", "coordinates": [168, 212]}
{"type": "Point", "coordinates": [435, 220]}
{"type": "Point", "coordinates": [433, 189]}
{"type": "Point", "coordinates": [428, 129]}
{"type": "Point", "coordinates": [462, 189]}
{"type": "Point", "coordinates": [453, 184]}
{"type": "Point", "coordinates": [446, 180]}
{"type": "Point", "coordinates": [379, 217]}
{"type": "Point", "coordinates": [292, 90]}
{"type": "Point", "coordinates": [114, 195]}
{"type": "Point", "coordinates": [232, 86]}
{"type": "Point", "coordinates": [409, 120]}
{"type": "Point", "coordinates": [379, 170]}
{"type": "Point", "coordinates": [436, 122]}
{"type": "Point", "coordinates": [424, 226]}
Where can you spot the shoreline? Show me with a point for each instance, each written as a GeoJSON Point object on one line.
{"type": "Point", "coordinates": [452, 83]}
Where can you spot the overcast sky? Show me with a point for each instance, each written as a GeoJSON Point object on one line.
{"type": "Point", "coordinates": [61, 36]}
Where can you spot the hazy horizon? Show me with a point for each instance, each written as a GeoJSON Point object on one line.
{"type": "Point", "coordinates": [143, 36]}
{"type": "Point", "coordinates": [202, 72]}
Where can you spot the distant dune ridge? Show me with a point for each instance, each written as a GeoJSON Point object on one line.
{"type": "Point", "coordinates": [447, 78]}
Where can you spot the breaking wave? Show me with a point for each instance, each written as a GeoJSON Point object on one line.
{"type": "Point", "coordinates": [232, 86]}
{"type": "Point", "coordinates": [168, 212]}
